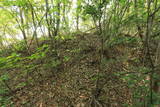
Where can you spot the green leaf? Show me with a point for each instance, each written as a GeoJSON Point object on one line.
{"type": "Point", "coordinates": [4, 77]}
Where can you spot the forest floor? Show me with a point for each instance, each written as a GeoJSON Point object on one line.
{"type": "Point", "coordinates": [73, 82]}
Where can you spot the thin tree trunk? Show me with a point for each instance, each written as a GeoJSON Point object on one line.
{"type": "Point", "coordinates": [34, 24]}
{"type": "Point", "coordinates": [22, 26]}
{"type": "Point", "coordinates": [47, 19]}
{"type": "Point", "coordinates": [58, 19]}
{"type": "Point", "coordinates": [77, 21]}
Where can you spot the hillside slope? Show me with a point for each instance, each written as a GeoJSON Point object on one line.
{"type": "Point", "coordinates": [70, 78]}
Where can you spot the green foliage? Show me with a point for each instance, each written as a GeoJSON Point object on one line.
{"type": "Point", "coordinates": [89, 9]}
{"type": "Point", "coordinates": [117, 40]}
{"type": "Point", "coordinates": [111, 17]}
{"type": "Point", "coordinates": [138, 84]}
{"type": "Point", "coordinates": [10, 61]}
{"type": "Point", "coordinates": [95, 9]}
{"type": "Point", "coordinates": [5, 102]}
{"type": "Point", "coordinates": [15, 2]}
{"type": "Point", "coordinates": [20, 85]}
{"type": "Point", "coordinates": [20, 46]}
{"type": "Point", "coordinates": [4, 78]}
{"type": "Point", "coordinates": [66, 58]}
{"type": "Point", "coordinates": [64, 37]}
{"type": "Point", "coordinates": [40, 53]}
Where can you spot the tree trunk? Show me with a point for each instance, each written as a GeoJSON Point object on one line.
{"type": "Point", "coordinates": [34, 24]}
{"type": "Point", "coordinates": [22, 26]}
{"type": "Point", "coordinates": [47, 20]}
{"type": "Point", "coordinates": [58, 19]}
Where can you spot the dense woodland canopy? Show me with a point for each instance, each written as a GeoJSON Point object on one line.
{"type": "Point", "coordinates": [80, 53]}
